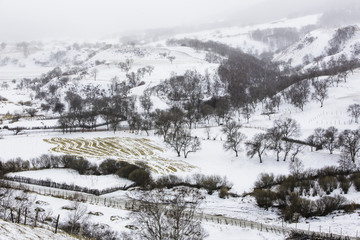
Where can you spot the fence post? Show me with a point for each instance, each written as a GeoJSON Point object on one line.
{"type": "Point", "coordinates": [25, 216]}
{"type": "Point", "coordinates": [19, 212]}
{"type": "Point", "coordinates": [11, 215]}
{"type": "Point", "coordinates": [57, 223]}
{"type": "Point", "coordinates": [36, 216]}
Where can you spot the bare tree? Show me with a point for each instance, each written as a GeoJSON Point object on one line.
{"type": "Point", "coordinates": [162, 122]}
{"type": "Point", "coordinates": [208, 131]}
{"type": "Point", "coordinates": [354, 111]}
{"type": "Point", "coordinates": [175, 140]}
{"type": "Point", "coordinates": [31, 111]}
{"type": "Point", "coordinates": [299, 94]}
{"type": "Point", "coordinates": [146, 123]}
{"type": "Point", "coordinates": [77, 216]}
{"type": "Point", "coordinates": [258, 146]}
{"type": "Point", "coordinates": [345, 162]}
{"type": "Point", "coordinates": [297, 148]}
{"type": "Point", "coordinates": [349, 141]}
{"type": "Point", "coordinates": [190, 144]}
{"type": "Point", "coordinates": [247, 111]}
{"type": "Point", "coordinates": [149, 69]}
{"type": "Point", "coordinates": [182, 141]}
{"type": "Point", "coordinates": [287, 148]}
{"type": "Point", "coordinates": [330, 139]}
{"type": "Point", "coordinates": [269, 109]}
{"type": "Point", "coordinates": [126, 66]}
{"type": "Point", "coordinates": [321, 91]}
{"type": "Point", "coordinates": [275, 136]}
{"type": "Point", "coordinates": [288, 127]}
{"type": "Point", "coordinates": [145, 102]}
{"type": "Point", "coordinates": [317, 138]}
{"type": "Point", "coordinates": [163, 216]}
{"type": "Point", "coordinates": [296, 167]}
{"type": "Point", "coordinates": [233, 137]}
{"type": "Point", "coordinates": [171, 58]}
{"type": "Point", "coordinates": [94, 73]}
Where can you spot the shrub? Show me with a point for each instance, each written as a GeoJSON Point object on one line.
{"type": "Point", "coordinates": [328, 184]}
{"type": "Point", "coordinates": [67, 159]}
{"type": "Point", "coordinates": [126, 169]}
{"type": "Point", "coordinates": [140, 176]}
{"type": "Point", "coordinates": [47, 161]}
{"type": "Point", "coordinates": [282, 193]}
{"type": "Point", "coordinates": [344, 184]}
{"type": "Point", "coordinates": [265, 180]}
{"type": "Point", "coordinates": [305, 185]}
{"type": "Point", "coordinates": [327, 171]}
{"type": "Point", "coordinates": [328, 204]}
{"type": "Point", "coordinates": [81, 165]}
{"type": "Point", "coordinates": [109, 166]}
{"type": "Point", "coordinates": [356, 182]}
{"type": "Point", "coordinates": [15, 165]}
{"type": "Point", "coordinates": [349, 208]}
{"type": "Point", "coordinates": [264, 198]}
{"type": "Point", "coordinates": [211, 183]}
{"type": "Point", "coordinates": [168, 181]}
{"type": "Point", "coordinates": [224, 192]}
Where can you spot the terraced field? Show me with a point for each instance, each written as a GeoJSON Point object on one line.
{"type": "Point", "coordinates": [125, 149]}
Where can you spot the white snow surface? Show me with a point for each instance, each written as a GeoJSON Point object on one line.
{"type": "Point", "coordinates": [70, 176]}
{"type": "Point", "coordinates": [240, 36]}
{"type": "Point", "coordinates": [14, 231]}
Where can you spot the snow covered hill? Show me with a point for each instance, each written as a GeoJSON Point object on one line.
{"type": "Point", "coordinates": [14, 231]}
{"type": "Point", "coordinates": [322, 44]}
{"type": "Point", "coordinates": [243, 37]}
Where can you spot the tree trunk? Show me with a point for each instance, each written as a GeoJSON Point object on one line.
{"type": "Point", "coordinates": [260, 157]}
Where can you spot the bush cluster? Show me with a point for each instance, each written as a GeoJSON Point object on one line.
{"type": "Point", "coordinates": [138, 174]}
{"type": "Point", "coordinates": [286, 192]}
{"type": "Point", "coordinates": [210, 183]}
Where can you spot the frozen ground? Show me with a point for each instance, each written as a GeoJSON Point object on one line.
{"type": "Point", "coordinates": [240, 37]}
{"type": "Point", "coordinates": [14, 231]}
{"type": "Point", "coordinates": [69, 176]}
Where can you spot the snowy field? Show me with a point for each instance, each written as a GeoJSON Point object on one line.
{"type": "Point", "coordinates": [14, 231]}
{"type": "Point", "coordinates": [69, 176]}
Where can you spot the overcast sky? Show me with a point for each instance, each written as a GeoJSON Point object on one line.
{"type": "Point", "coordinates": [51, 19]}
{"type": "Point", "coordinates": [93, 19]}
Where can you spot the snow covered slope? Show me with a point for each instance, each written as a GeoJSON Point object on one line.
{"type": "Point", "coordinates": [317, 44]}
{"type": "Point", "coordinates": [14, 231]}
{"type": "Point", "coordinates": [240, 37]}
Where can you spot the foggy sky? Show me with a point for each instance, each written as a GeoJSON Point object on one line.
{"type": "Point", "coordinates": [93, 19]}
{"type": "Point", "coordinates": [38, 19]}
